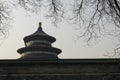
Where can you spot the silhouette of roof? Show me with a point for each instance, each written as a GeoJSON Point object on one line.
{"type": "Point", "coordinates": [38, 46]}
{"type": "Point", "coordinates": [40, 35]}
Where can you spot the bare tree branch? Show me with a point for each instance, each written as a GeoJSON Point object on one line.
{"type": "Point", "coordinates": [94, 13]}
{"type": "Point", "coordinates": [30, 5]}
{"type": "Point", "coordinates": [4, 18]}
{"type": "Point", "coordinates": [55, 10]}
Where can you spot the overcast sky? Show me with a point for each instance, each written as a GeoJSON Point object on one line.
{"type": "Point", "coordinates": [23, 25]}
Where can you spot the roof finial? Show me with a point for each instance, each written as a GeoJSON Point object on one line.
{"type": "Point", "coordinates": [40, 23]}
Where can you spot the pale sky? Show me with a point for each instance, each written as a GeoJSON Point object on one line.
{"type": "Point", "coordinates": [24, 25]}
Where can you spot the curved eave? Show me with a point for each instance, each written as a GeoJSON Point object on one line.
{"type": "Point", "coordinates": [39, 37]}
{"type": "Point", "coordinates": [38, 48]}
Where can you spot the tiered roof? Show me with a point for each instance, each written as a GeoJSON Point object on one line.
{"type": "Point", "coordinates": [38, 46]}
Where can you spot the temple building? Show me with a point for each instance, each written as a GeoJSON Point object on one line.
{"type": "Point", "coordinates": [40, 61]}
{"type": "Point", "coordinates": [38, 46]}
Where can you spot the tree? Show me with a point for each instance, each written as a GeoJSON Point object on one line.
{"type": "Point", "coordinates": [92, 15]}
{"type": "Point", "coordinates": [4, 18]}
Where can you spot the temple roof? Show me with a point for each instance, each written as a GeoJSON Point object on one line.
{"type": "Point", "coordinates": [39, 34]}
{"type": "Point", "coordinates": [38, 46]}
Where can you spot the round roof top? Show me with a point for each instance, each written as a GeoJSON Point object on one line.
{"type": "Point", "coordinates": [39, 35]}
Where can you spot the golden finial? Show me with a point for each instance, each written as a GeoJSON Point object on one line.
{"type": "Point", "coordinates": [40, 23]}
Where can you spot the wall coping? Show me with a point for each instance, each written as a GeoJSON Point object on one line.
{"type": "Point", "coordinates": [61, 61]}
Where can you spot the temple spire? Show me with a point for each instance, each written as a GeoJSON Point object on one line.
{"type": "Point", "coordinates": [40, 24]}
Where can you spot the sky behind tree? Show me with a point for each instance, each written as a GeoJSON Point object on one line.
{"type": "Point", "coordinates": [24, 24]}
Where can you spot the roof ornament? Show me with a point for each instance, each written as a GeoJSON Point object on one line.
{"type": "Point", "coordinates": [40, 23]}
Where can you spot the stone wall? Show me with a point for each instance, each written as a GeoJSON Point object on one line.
{"type": "Point", "coordinates": [66, 69]}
